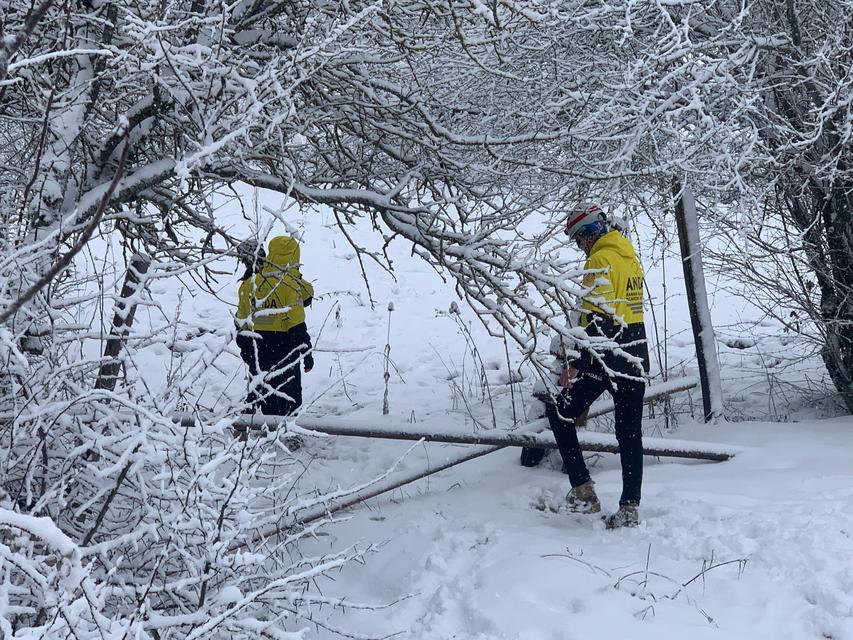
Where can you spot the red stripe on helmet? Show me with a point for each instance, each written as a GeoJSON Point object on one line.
{"type": "Point", "coordinates": [576, 220]}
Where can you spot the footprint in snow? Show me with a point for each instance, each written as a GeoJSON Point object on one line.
{"type": "Point", "coordinates": [548, 501]}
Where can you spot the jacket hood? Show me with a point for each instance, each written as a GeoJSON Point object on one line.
{"type": "Point", "coordinates": [616, 242]}
{"type": "Point", "coordinates": [283, 253]}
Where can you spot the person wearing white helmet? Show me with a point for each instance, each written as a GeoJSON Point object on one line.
{"type": "Point", "coordinates": [612, 308]}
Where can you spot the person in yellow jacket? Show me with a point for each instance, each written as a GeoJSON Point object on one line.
{"type": "Point", "coordinates": [612, 316]}
{"type": "Point", "coordinates": [272, 335]}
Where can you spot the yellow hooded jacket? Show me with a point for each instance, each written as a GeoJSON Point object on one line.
{"type": "Point", "coordinates": [274, 299]}
{"type": "Point", "coordinates": [622, 295]}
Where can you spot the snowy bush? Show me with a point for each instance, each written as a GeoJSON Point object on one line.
{"type": "Point", "coordinates": [144, 523]}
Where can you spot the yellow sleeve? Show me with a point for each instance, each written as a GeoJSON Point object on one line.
{"type": "Point", "coordinates": [601, 292]}
{"type": "Point", "coordinates": [244, 298]}
{"type": "Point", "coordinates": [308, 288]}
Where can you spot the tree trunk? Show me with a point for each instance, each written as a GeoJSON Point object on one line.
{"type": "Point", "coordinates": [837, 293]}
{"type": "Point", "coordinates": [822, 205]}
{"type": "Point", "coordinates": [122, 320]}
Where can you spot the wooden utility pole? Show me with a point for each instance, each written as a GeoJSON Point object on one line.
{"type": "Point", "coordinates": [122, 321]}
{"type": "Point", "coordinates": [697, 301]}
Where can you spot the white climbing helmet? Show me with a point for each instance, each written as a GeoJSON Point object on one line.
{"type": "Point", "coordinates": [582, 215]}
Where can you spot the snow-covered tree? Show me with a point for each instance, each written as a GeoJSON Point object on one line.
{"type": "Point", "coordinates": [751, 101]}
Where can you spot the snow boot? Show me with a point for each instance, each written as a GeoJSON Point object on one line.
{"type": "Point", "coordinates": [531, 456]}
{"type": "Point", "coordinates": [628, 515]}
{"type": "Point", "coordinates": [582, 499]}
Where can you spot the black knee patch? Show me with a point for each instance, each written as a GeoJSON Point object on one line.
{"type": "Point", "coordinates": [531, 456]}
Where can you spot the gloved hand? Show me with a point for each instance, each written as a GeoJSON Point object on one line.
{"type": "Point", "coordinates": [308, 362]}
{"type": "Point", "coordinates": [568, 376]}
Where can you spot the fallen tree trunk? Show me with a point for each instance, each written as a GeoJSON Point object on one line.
{"type": "Point", "coordinates": [308, 516]}
{"type": "Point", "coordinates": [592, 442]}
{"type": "Point", "coordinates": [589, 441]}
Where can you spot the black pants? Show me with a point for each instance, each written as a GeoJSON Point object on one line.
{"type": "Point", "coordinates": [277, 355]}
{"type": "Point", "coordinates": [628, 397]}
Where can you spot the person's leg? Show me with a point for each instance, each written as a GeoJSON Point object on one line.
{"type": "Point", "coordinates": [532, 456]}
{"type": "Point", "coordinates": [628, 398]}
{"type": "Point", "coordinates": [563, 417]}
{"type": "Point", "coordinates": [289, 390]}
{"type": "Point", "coordinates": [299, 346]}
{"type": "Point", "coordinates": [269, 350]}
{"type": "Point", "coordinates": [248, 352]}
{"type": "Point", "coordinates": [286, 381]}
{"type": "Point", "coordinates": [294, 382]}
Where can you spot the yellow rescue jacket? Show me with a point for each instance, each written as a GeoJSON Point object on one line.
{"type": "Point", "coordinates": [274, 299]}
{"type": "Point", "coordinates": [623, 291]}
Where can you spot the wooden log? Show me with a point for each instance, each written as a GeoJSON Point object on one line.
{"type": "Point", "coordinates": [308, 516]}
{"type": "Point", "coordinates": [592, 442]}
{"type": "Point", "coordinates": [589, 442]}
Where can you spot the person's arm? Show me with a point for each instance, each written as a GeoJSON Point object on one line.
{"type": "Point", "coordinates": [244, 303]}
{"type": "Point", "coordinates": [307, 291]}
{"type": "Point", "coordinates": [591, 314]}
{"type": "Point", "coordinates": [567, 371]}
{"type": "Point", "coordinates": [581, 363]}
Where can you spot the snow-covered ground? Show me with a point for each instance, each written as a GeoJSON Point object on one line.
{"type": "Point", "coordinates": [484, 550]}
{"type": "Point", "coordinates": [478, 557]}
